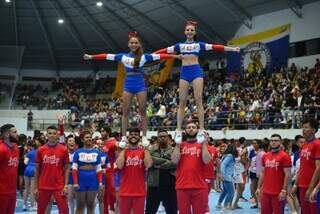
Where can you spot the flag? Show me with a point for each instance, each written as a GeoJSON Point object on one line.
{"type": "Point", "coordinates": [260, 52]}
{"type": "Point", "coordinates": [156, 73]}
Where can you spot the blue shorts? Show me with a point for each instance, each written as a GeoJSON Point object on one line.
{"type": "Point", "coordinates": [88, 180]}
{"type": "Point", "coordinates": [104, 179]}
{"type": "Point", "coordinates": [191, 72]}
{"type": "Point", "coordinates": [134, 84]}
{"type": "Point", "coordinates": [29, 171]}
{"type": "Point", "coordinates": [318, 201]}
{"type": "Point", "coordinates": [117, 177]}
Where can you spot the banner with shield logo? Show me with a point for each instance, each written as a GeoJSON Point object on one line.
{"type": "Point", "coordinates": [155, 73]}
{"type": "Point", "coordinates": [260, 52]}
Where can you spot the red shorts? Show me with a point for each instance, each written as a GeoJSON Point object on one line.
{"type": "Point", "coordinates": [109, 198]}
{"type": "Point", "coordinates": [7, 204]}
{"type": "Point", "coordinates": [135, 203]}
{"type": "Point", "coordinates": [45, 197]}
{"type": "Point", "coordinates": [195, 198]}
{"type": "Point", "coordinates": [271, 204]}
{"type": "Point", "coordinates": [306, 206]}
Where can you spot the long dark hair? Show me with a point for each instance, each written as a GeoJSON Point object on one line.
{"type": "Point", "coordinates": [137, 56]}
{"type": "Point", "coordinates": [232, 149]}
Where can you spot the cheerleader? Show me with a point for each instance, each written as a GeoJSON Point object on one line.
{"type": "Point", "coordinates": [134, 82]}
{"type": "Point", "coordinates": [191, 73]}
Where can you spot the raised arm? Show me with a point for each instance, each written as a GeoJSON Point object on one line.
{"type": "Point", "coordinates": [147, 159]}
{"type": "Point", "coordinates": [161, 51]}
{"type": "Point", "coordinates": [176, 155]}
{"type": "Point", "coordinates": [155, 57]}
{"type": "Point", "coordinates": [103, 56]}
{"type": "Point", "coordinates": [171, 49]}
{"type": "Point", "coordinates": [218, 48]}
{"type": "Point", "coordinates": [121, 159]}
{"type": "Point", "coordinates": [206, 156]}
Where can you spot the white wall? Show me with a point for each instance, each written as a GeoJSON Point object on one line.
{"type": "Point", "coordinates": [301, 29]}
{"type": "Point", "coordinates": [304, 61]}
{"type": "Point", "coordinates": [19, 123]}
{"type": "Point", "coordinates": [8, 71]}
{"type": "Point", "coordinates": [37, 114]}
{"type": "Point", "coordinates": [38, 73]}
{"type": "Point", "coordinates": [232, 134]}
{"type": "Point", "coordinates": [248, 134]}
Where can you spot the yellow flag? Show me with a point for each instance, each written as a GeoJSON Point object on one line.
{"type": "Point", "coordinates": [156, 73]}
{"type": "Point", "coordinates": [121, 73]}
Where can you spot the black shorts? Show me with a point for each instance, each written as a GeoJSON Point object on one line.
{"type": "Point", "coordinates": [21, 168]}
{"type": "Point", "coordinates": [253, 175]}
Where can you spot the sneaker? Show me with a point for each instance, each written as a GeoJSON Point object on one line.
{"type": "Point", "coordinates": [236, 207]}
{"type": "Point", "coordinates": [33, 208]}
{"type": "Point", "coordinates": [254, 206]}
{"type": "Point", "coordinates": [243, 199]}
{"type": "Point", "coordinates": [145, 142]}
{"type": "Point", "coordinates": [219, 206]}
{"type": "Point", "coordinates": [178, 137]}
{"type": "Point", "coordinates": [200, 136]}
{"type": "Point", "coordinates": [24, 208]}
{"type": "Point", "coordinates": [123, 142]}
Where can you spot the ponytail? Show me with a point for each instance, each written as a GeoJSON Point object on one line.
{"type": "Point", "coordinates": [137, 58]}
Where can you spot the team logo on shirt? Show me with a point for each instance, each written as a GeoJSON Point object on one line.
{"type": "Point", "coordinates": [128, 61]}
{"type": "Point", "coordinates": [272, 164]}
{"type": "Point", "coordinates": [193, 151]}
{"type": "Point", "coordinates": [189, 47]}
{"type": "Point", "coordinates": [88, 158]}
{"type": "Point", "coordinates": [13, 161]}
{"type": "Point", "coordinates": [134, 161]}
{"type": "Point", "coordinates": [51, 160]}
{"type": "Point", "coordinates": [305, 153]}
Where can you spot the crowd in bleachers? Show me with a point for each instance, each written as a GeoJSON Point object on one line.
{"type": "Point", "coordinates": [255, 101]}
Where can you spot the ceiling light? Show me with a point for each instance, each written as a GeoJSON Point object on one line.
{"type": "Point", "coordinates": [99, 4]}
{"type": "Point", "coordinates": [7, 1]}
{"type": "Point", "coordinates": [60, 21]}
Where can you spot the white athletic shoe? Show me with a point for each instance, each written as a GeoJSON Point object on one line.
{"type": "Point", "coordinates": [200, 136]}
{"type": "Point", "coordinates": [33, 208]}
{"type": "Point", "coordinates": [24, 208]}
{"type": "Point", "coordinates": [178, 137]}
{"type": "Point", "coordinates": [123, 142]}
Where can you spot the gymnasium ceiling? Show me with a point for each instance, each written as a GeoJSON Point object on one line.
{"type": "Point", "coordinates": [87, 28]}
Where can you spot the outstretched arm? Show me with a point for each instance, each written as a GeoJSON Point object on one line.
{"type": "Point", "coordinates": [103, 56]}
{"type": "Point", "coordinates": [155, 57]}
{"type": "Point", "coordinates": [232, 49]}
{"type": "Point", "coordinates": [161, 51]}
{"type": "Point", "coordinates": [218, 48]}
{"type": "Point", "coordinates": [171, 49]}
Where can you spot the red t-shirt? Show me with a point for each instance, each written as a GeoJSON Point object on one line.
{"type": "Point", "coordinates": [52, 161]}
{"type": "Point", "coordinates": [191, 168]}
{"type": "Point", "coordinates": [9, 161]}
{"type": "Point", "coordinates": [309, 153]}
{"type": "Point", "coordinates": [209, 168]}
{"type": "Point", "coordinates": [132, 181]}
{"type": "Point", "coordinates": [110, 147]}
{"type": "Point", "coordinates": [273, 178]}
